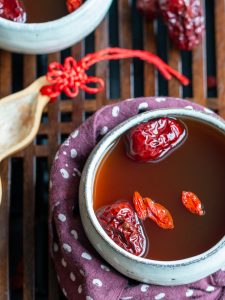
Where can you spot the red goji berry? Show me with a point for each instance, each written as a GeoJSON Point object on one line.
{"type": "Point", "coordinates": [192, 203]}
{"type": "Point", "coordinates": [139, 206]}
{"type": "Point", "coordinates": [159, 214]}
{"type": "Point", "coordinates": [72, 5]}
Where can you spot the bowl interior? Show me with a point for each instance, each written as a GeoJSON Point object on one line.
{"type": "Point", "coordinates": [94, 160]}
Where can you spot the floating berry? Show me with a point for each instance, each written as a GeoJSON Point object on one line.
{"type": "Point", "coordinates": [159, 214]}
{"type": "Point", "coordinates": [12, 10]}
{"type": "Point", "coordinates": [152, 140]}
{"type": "Point", "coordinates": [121, 224]}
{"type": "Point", "coordinates": [192, 203]}
{"type": "Point", "coordinates": [185, 22]}
{"type": "Point", "coordinates": [72, 5]}
{"type": "Point", "coordinates": [139, 206]}
{"type": "Point", "coordinates": [150, 8]}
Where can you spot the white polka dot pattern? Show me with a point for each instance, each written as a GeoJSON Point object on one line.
{"type": "Point", "coordinates": [105, 268]}
{"type": "Point", "coordinates": [143, 105]}
{"type": "Point", "coordinates": [67, 248]}
{"type": "Point", "coordinates": [160, 296]}
{"type": "Point", "coordinates": [80, 289]}
{"type": "Point", "coordinates": [64, 292]}
{"type": "Point", "coordinates": [210, 288]}
{"type": "Point", "coordinates": [189, 107]}
{"type": "Point", "coordinates": [97, 282]}
{"type": "Point", "coordinates": [189, 293]}
{"type": "Point", "coordinates": [89, 298]}
{"type": "Point", "coordinates": [74, 234]}
{"type": "Point", "coordinates": [62, 217]}
{"type": "Point", "coordinates": [73, 153]}
{"type": "Point", "coordinates": [75, 134]}
{"type": "Point", "coordinates": [160, 99]}
{"type": "Point", "coordinates": [72, 276]}
{"type": "Point", "coordinates": [144, 288]}
{"type": "Point", "coordinates": [82, 272]}
{"type": "Point", "coordinates": [115, 111]}
{"type": "Point", "coordinates": [126, 298]}
{"type": "Point", "coordinates": [104, 130]}
{"type": "Point", "coordinates": [63, 262]}
{"type": "Point", "coordinates": [64, 173]}
{"type": "Point", "coordinates": [86, 256]}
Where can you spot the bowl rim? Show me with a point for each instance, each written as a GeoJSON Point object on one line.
{"type": "Point", "coordinates": [94, 159]}
{"type": "Point", "coordinates": [77, 14]}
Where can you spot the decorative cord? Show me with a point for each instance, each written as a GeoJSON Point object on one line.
{"type": "Point", "coordinates": [72, 77]}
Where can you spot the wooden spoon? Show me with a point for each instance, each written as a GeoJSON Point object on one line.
{"type": "Point", "coordinates": [20, 116]}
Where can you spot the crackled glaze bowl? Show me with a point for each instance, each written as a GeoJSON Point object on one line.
{"type": "Point", "coordinates": [158, 272]}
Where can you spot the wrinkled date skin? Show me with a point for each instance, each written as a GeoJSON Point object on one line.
{"type": "Point", "coordinates": [121, 224]}
{"type": "Point", "coordinates": [150, 141]}
{"type": "Point", "coordinates": [12, 10]}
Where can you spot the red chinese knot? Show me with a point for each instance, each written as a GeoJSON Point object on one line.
{"type": "Point", "coordinates": [72, 77]}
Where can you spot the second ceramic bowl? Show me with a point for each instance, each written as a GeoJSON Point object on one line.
{"type": "Point", "coordinates": [54, 35]}
{"type": "Point", "coordinates": [145, 270]}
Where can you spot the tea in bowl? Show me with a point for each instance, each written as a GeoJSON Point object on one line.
{"type": "Point", "coordinates": [150, 201]}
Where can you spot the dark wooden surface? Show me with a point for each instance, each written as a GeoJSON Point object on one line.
{"type": "Point", "coordinates": [24, 206]}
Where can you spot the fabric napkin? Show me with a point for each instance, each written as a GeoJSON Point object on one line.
{"type": "Point", "coordinates": [81, 272]}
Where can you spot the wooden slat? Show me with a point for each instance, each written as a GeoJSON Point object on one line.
{"type": "Point", "coordinates": [199, 74]}
{"type": "Point", "coordinates": [77, 52]}
{"type": "Point", "coordinates": [125, 42]}
{"type": "Point", "coordinates": [29, 198]}
{"type": "Point", "coordinates": [149, 71]}
{"type": "Point", "coordinates": [5, 89]}
{"type": "Point", "coordinates": [199, 71]}
{"type": "Point", "coordinates": [101, 41]}
{"type": "Point", "coordinates": [220, 53]}
{"type": "Point", "coordinates": [174, 61]}
{"type": "Point", "coordinates": [4, 231]}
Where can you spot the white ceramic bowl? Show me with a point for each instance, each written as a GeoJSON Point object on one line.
{"type": "Point", "coordinates": [54, 35]}
{"type": "Point", "coordinates": [144, 270]}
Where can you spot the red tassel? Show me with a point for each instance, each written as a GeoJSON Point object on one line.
{"type": "Point", "coordinates": [72, 77]}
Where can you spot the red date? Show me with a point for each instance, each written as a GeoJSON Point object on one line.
{"type": "Point", "coordinates": [12, 10]}
{"type": "Point", "coordinates": [121, 224]}
{"type": "Point", "coordinates": [150, 141]}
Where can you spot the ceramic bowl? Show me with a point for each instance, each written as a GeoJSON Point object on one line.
{"type": "Point", "coordinates": [54, 35]}
{"type": "Point", "coordinates": [145, 270]}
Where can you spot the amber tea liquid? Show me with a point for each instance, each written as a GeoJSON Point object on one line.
{"type": "Point", "coordinates": [198, 165]}
{"type": "Point", "coordinates": [44, 10]}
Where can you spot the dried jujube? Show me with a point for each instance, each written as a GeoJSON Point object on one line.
{"type": "Point", "coordinates": [150, 141]}
{"type": "Point", "coordinates": [121, 224]}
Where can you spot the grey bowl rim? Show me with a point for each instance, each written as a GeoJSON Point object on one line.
{"type": "Point", "coordinates": [112, 135]}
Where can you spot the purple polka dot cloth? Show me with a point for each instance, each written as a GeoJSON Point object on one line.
{"type": "Point", "coordinates": [81, 272]}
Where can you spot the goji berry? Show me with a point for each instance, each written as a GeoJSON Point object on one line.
{"type": "Point", "coordinates": [159, 214]}
{"type": "Point", "coordinates": [139, 206]}
{"type": "Point", "coordinates": [121, 224]}
{"type": "Point", "coordinates": [72, 5]}
{"type": "Point", "coordinates": [152, 140]}
{"type": "Point", "coordinates": [192, 203]}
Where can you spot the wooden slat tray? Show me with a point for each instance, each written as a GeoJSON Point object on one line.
{"type": "Point", "coordinates": [24, 207]}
